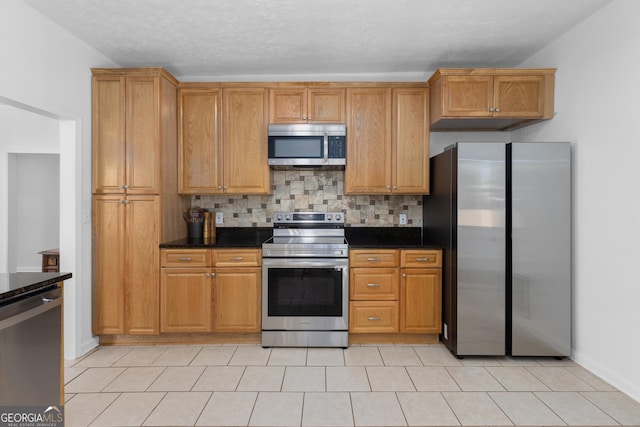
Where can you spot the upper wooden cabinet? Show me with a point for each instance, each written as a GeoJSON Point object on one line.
{"type": "Point", "coordinates": [129, 108]}
{"type": "Point", "coordinates": [306, 105]}
{"type": "Point", "coordinates": [245, 155]}
{"type": "Point", "coordinates": [222, 140]}
{"type": "Point", "coordinates": [388, 140]}
{"type": "Point", "coordinates": [490, 99]}
{"type": "Point", "coordinates": [199, 141]}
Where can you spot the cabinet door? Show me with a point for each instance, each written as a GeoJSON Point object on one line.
{"type": "Point", "coordinates": [368, 169]}
{"type": "Point", "coordinates": [185, 295]}
{"type": "Point", "coordinates": [421, 300]}
{"type": "Point", "coordinates": [410, 165]}
{"type": "Point", "coordinates": [237, 299]}
{"type": "Point", "coordinates": [142, 264]}
{"type": "Point", "coordinates": [199, 146]}
{"type": "Point", "coordinates": [519, 96]}
{"type": "Point", "coordinates": [108, 134]}
{"type": "Point", "coordinates": [467, 96]}
{"type": "Point", "coordinates": [288, 105]}
{"type": "Point", "coordinates": [326, 106]}
{"type": "Point", "coordinates": [245, 141]}
{"type": "Point", "coordinates": [108, 224]}
{"type": "Point", "coordinates": [142, 135]}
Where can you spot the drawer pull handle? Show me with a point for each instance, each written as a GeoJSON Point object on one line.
{"type": "Point", "coordinates": [373, 285]}
{"type": "Point", "coordinates": [373, 259]}
{"type": "Point", "coordinates": [236, 258]}
{"type": "Point", "coordinates": [185, 259]}
{"type": "Point", "coordinates": [373, 319]}
{"type": "Point", "coordinates": [423, 259]}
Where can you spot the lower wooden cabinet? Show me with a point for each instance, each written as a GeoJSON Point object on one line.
{"type": "Point", "coordinates": [237, 298]}
{"type": "Point", "coordinates": [210, 290]}
{"type": "Point", "coordinates": [395, 291]}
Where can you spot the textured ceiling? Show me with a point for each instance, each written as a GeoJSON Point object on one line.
{"type": "Point", "coordinates": [254, 39]}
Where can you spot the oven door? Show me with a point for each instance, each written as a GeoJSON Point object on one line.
{"type": "Point", "coordinates": [305, 294]}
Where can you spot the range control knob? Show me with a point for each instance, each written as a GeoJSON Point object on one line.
{"type": "Point", "coordinates": [338, 217]}
{"type": "Point", "coordinates": [279, 217]}
{"type": "Point", "coordinates": [329, 217]}
{"type": "Point", "coordinates": [287, 217]}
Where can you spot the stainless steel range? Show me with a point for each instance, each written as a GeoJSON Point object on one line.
{"type": "Point", "coordinates": [305, 281]}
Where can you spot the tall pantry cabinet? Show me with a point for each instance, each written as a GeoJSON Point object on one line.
{"type": "Point", "coordinates": [135, 202]}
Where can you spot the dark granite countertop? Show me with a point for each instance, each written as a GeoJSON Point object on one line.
{"type": "Point", "coordinates": [18, 285]}
{"type": "Point", "coordinates": [387, 238]}
{"type": "Point", "coordinates": [358, 237]}
{"type": "Point", "coordinates": [226, 237]}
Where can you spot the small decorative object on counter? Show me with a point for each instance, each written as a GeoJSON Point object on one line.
{"type": "Point", "coordinates": [209, 232]}
{"type": "Point", "coordinates": [194, 218]}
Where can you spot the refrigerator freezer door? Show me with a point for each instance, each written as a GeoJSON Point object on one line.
{"type": "Point", "coordinates": [541, 249]}
{"type": "Point", "coordinates": [481, 262]}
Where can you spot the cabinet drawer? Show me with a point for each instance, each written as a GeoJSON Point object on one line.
{"type": "Point", "coordinates": [237, 257]}
{"type": "Point", "coordinates": [185, 258]}
{"type": "Point", "coordinates": [421, 258]}
{"type": "Point", "coordinates": [373, 316]}
{"type": "Point", "coordinates": [374, 284]}
{"type": "Point", "coordinates": [374, 258]}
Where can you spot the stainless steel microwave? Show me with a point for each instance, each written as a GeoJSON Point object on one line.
{"type": "Point", "coordinates": [307, 145]}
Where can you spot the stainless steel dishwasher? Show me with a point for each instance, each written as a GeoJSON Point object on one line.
{"type": "Point", "coordinates": [30, 349]}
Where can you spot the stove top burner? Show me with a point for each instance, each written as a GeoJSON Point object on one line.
{"type": "Point", "coordinates": [307, 234]}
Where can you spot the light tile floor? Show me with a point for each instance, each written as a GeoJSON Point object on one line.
{"type": "Point", "coordinates": [386, 385]}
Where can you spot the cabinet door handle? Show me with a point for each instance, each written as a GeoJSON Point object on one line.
{"type": "Point", "coordinates": [185, 259]}
{"type": "Point", "coordinates": [404, 275]}
{"type": "Point", "coordinates": [373, 285]}
{"type": "Point", "coordinates": [373, 259]}
{"type": "Point", "coordinates": [491, 109]}
{"type": "Point", "coordinates": [209, 275]}
{"type": "Point", "coordinates": [236, 258]}
{"type": "Point", "coordinates": [498, 110]}
{"type": "Point", "coordinates": [373, 319]}
{"type": "Point", "coordinates": [126, 186]}
{"type": "Point", "coordinates": [395, 187]}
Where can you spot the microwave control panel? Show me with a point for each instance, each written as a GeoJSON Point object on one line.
{"type": "Point", "coordinates": [337, 147]}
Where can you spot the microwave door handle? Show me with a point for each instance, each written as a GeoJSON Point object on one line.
{"type": "Point", "coordinates": [326, 147]}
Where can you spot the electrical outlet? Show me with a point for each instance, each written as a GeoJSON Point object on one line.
{"type": "Point", "coordinates": [219, 217]}
{"type": "Point", "coordinates": [403, 219]}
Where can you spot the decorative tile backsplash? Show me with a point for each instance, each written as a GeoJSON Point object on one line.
{"type": "Point", "coordinates": [313, 190]}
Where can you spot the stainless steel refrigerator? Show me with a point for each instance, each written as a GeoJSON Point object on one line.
{"type": "Point", "coordinates": [502, 213]}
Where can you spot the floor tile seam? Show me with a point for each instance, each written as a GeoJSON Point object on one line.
{"type": "Point", "coordinates": [166, 393]}
{"type": "Point", "coordinates": [244, 370]}
{"type": "Point", "coordinates": [406, 421]}
{"type": "Point", "coordinates": [565, 370]}
{"type": "Point", "coordinates": [93, 420]}
{"type": "Point", "coordinates": [581, 393]}
{"type": "Point", "coordinates": [535, 393]}
{"type": "Point", "coordinates": [504, 410]}
{"type": "Point", "coordinates": [450, 407]}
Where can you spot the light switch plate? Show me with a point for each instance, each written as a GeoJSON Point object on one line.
{"type": "Point", "coordinates": [403, 219]}
{"type": "Point", "coordinates": [219, 218]}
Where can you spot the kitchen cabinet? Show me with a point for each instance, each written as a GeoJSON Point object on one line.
{"type": "Point", "coordinates": [199, 141]}
{"type": "Point", "coordinates": [395, 291]}
{"type": "Point", "coordinates": [125, 264]}
{"type": "Point", "coordinates": [128, 130]}
{"type": "Point", "coordinates": [211, 290]}
{"type": "Point", "coordinates": [421, 291]}
{"type": "Point", "coordinates": [222, 140]}
{"type": "Point", "coordinates": [185, 290]}
{"type": "Point", "coordinates": [306, 105]}
{"type": "Point", "coordinates": [245, 169]}
{"type": "Point", "coordinates": [237, 291]}
{"type": "Point", "coordinates": [373, 291]}
{"type": "Point", "coordinates": [388, 142]}
{"type": "Point", "coordinates": [490, 99]}
{"type": "Point", "coordinates": [135, 201]}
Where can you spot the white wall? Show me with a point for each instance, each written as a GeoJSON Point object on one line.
{"type": "Point", "coordinates": [37, 182]}
{"type": "Point", "coordinates": [47, 70]}
{"type": "Point", "coordinates": [597, 93]}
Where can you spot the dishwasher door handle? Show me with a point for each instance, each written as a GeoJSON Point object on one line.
{"type": "Point", "coordinates": [48, 304]}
